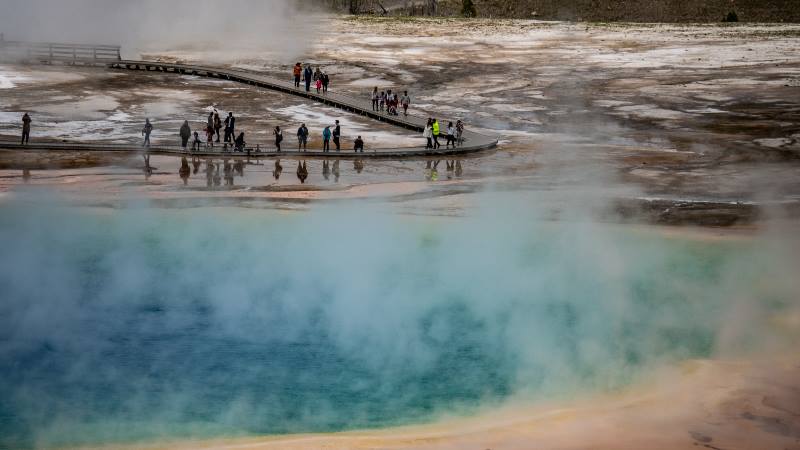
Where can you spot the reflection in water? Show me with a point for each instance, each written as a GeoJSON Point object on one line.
{"type": "Point", "coordinates": [196, 162]}
{"type": "Point", "coordinates": [278, 169]}
{"type": "Point", "coordinates": [217, 177]}
{"type": "Point", "coordinates": [326, 169]}
{"type": "Point", "coordinates": [459, 170]}
{"type": "Point", "coordinates": [358, 165]}
{"type": "Point", "coordinates": [302, 172]}
{"type": "Point", "coordinates": [209, 173]}
{"type": "Point", "coordinates": [185, 170]}
{"type": "Point", "coordinates": [26, 175]}
{"type": "Point", "coordinates": [228, 171]}
{"type": "Point", "coordinates": [336, 171]}
{"type": "Point", "coordinates": [147, 169]}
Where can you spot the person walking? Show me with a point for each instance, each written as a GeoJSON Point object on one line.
{"type": "Point", "coordinates": [278, 137]}
{"type": "Point", "coordinates": [326, 80]}
{"type": "Point", "coordinates": [185, 134]}
{"type": "Point", "coordinates": [375, 97]}
{"type": "Point", "coordinates": [302, 137]}
{"type": "Point", "coordinates": [326, 140]}
{"type": "Point", "coordinates": [359, 145]}
{"type": "Point", "coordinates": [451, 135]}
{"type": "Point", "coordinates": [337, 134]}
{"type": "Point", "coordinates": [406, 101]}
{"type": "Point", "coordinates": [26, 128]}
{"type": "Point", "coordinates": [459, 132]}
{"type": "Point", "coordinates": [217, 124]}
{"type": "Point", "coordinates": [297, 72]}
{"type": "Point", "coordinates": [428, 134]}
{"type": "Point", "coordinates": [308, 75]}
{"type": "Point", "coordinates": [435, 127]}
{"type": "Point", "coordinates": [196, 142]}
{"type": "Point", "coordinates": [148, 128]}
{"type": "Point", "coordinates": [318, 84]}
{"type": "Point", "coordinates": [382, 100]}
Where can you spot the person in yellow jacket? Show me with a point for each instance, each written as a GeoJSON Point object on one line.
{"type": "Point", "coordinates": [435, 127]}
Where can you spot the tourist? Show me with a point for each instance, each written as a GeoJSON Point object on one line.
{"type": "Point", "coordinates": [196, 142]}
{"type": "Point", "coordinates": [185, 133]}
{"type": "Point", "coordinates": [337, 133]}
{"type": "Point", "coordinates": [428, 134]}
{"type": "Point", "coordinates": [326, 80]}
{"type": "Point", "coordinates": [435, 128]}
{"type": "Point", "coordinates": [298, 71]}
{"type": "Point", "coordinates": [210, 121]}
{"type": "Point", "coordinates": [326, 140]}
{"type": "Point", "coordinates": [210, 135]}
{"type": "Point", "coordinates": [319, 84]}
{"type": "Point", "coordinates": [308, 74]}
{"type": "Point", "coordinates": [148, 128]}
{"type": "Point", "coordinates": [278, 137]}
{"type": "Point", "coordinates": [230, 127]}
{"type": "Point", "coordinates": [26, 128]}
{"type": "Point", "coordinates": [375, 97]}
{"type": "Point", "coordinates": [318, 75]}
{"type": "Point", "coordinates": [359, 145]}
{"type": "Point", "coordinates": [217, 124]}
{"type": "Point", "coordinates": [382, 100]}
{"type": "Point", "coordinates": [406, 101]}
{"type": "Point", "coordinates": [302, 137]}
{"type": "Point", "coordinates": [459, 132]}
{"type": "Point", "coordinates": [239, 143]}
{"type": "Point", "coordinates": [451, 135]}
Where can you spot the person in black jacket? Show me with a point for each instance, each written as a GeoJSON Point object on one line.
{"type": "Point", "coordinates": [337, 133]}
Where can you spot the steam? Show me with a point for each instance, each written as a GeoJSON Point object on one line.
{"type": "Point", "coordinates": [275, 28]}
{"type": "Point", "coordinates": [146, 322]}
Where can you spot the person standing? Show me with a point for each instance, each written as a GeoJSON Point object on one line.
{"type": "Point", "coordinates": [278, 137]}
{"type": "Point", "coordinates": [382, 100]}
{"type": "Point", "coordinates": [230, 127]}
{"type": "Point", "coordinates": [185, 133]}
{"type": "Point", "coordinates": [406, 101]}
{"type": "Point", "coordinates": [26, 128]}
{"type": "Point", "coordinates": [435, 128]}
{"type": "Point", "coordinates": [308, 75]}
{"type": "Point", "coordinates": [217, 124]}
{"type": "Point", "coordinates": [302, 137]}
{"type": "Point", "coordinates": [148, 128]}
{"type": "Point", "coordinates": [210, 121]}
{"type": "Point", "coordinates": [319, 84]}
{"type": "Point", "coordinates": [375, 96]}
{"type": "Point", "coordinates": [428, 134]}
{"type": "Point", "coordinates": [359, 145]}
{"type": "Point", "coordinates": [297, 71]}
{"type": "Point", "coordinates": [337, 134]}
{"type": "Point", "coordinates": [459, 132]}
{"type": "Point", "coordinates": [326, 140]}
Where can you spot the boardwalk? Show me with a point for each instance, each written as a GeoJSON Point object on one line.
{"type": "Point", "coordinates": [473, 142]}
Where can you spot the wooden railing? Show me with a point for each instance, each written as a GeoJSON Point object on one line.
{"type": "Point", "coordinates": [46, 52]}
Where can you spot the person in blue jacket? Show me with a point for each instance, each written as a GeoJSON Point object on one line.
{"type": "Point", "coordinates": [326, 139]}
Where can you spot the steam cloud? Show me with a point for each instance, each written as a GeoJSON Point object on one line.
{"type": "Point", "coordinates": [277, 27]}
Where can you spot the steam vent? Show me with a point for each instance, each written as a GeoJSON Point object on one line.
{"type": "Point", "coordinates": [399, 225]}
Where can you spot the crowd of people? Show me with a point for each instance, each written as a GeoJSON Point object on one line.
{"type": "Point", "coordinates": [319, 78]}
{"type": "Point", "coordinates": [454, 134]}
{"type": "Point", "coordinates": [390, 102]}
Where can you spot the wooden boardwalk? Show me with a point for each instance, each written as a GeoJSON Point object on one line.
{"type": "Point", "coordinates": [472, 141]}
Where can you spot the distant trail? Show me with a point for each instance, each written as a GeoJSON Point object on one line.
{"type": "Point", "coordinates": [473, 142]}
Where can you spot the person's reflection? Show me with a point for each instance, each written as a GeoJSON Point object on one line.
{"type": "Point", "coordinates": [217, 177]}
{"type": "Point", "coordinates": [326, 169]}
{"type": "Point", "coordinates": [451, 166]}
{"type": "Point", "coordinates": [185, 170]}
{"type": "Point", "coordinates": [196, 163]}
{"type": "Point", "coordinates": [278, 169]}
{"type": "Point", "coordinates": [238, 167]}
{"type": "Point", "coordinates": [358, 165]}
{"type": "Point", "coordinates": [147, 169]}
{"type": "Point", "coordinates": [26, 175]}
{"type": "Point", "coordinates": [432, 172]}
{"type": "Point", "coordinates": [302, 172]}
{"type": "Point", "coordinates": [459, 169]}
{"type": "Point", "coordinates": [209, 173]}
{"type": "Point", "coordinates": [335, 171]}
{"type": "Point", "coordinates": [228, 171]}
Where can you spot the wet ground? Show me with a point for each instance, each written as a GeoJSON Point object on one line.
{"type": "Point", "coordinates": [657, 115]}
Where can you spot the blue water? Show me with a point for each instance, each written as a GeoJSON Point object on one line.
{"type": "Point", "coordinates": [141, 324]}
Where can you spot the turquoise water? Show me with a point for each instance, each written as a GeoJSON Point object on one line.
{"type": "Point", "coordinates": [140, 324]}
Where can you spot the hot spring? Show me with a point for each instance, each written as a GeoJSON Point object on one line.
{"type": "Point", "coordinates": [141, 324]}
